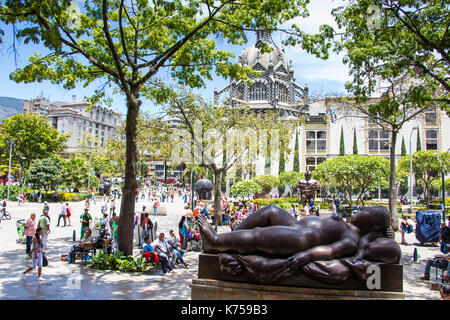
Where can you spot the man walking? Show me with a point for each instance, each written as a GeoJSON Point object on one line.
{"type": "Point", "coordinates": [44, 223]}
{"type": "Point", "coordinates": [62, 213]}
{"type": "Point", "coordinates": [85, 220]}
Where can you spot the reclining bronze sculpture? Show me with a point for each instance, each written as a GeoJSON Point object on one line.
{"type": "Point", "coordinates": [272, 245]}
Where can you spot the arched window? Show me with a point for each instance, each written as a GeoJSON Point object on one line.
{"type": "Point", "coordinates": [258, 91]}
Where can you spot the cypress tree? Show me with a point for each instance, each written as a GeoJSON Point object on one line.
{"type": "Point", "coordinates": [296, 155]}
{"type": "Point", "coordinates": [403, 147]}
{"type": "Point", "coordinates": [419, 143]}
{"type": "Point", "coordinates": [355, 142]}
{"type": "Point", "coordinates": [342, 145]}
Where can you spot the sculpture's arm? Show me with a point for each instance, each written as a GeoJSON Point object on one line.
{"type": "Point", "coordinates": [338, 249]}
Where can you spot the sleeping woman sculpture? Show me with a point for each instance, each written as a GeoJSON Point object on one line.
{"type": "Point", "coordinates": [272, 245]}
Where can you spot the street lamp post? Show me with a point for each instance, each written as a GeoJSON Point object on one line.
{"type": "Point", "coordinates": [410, 169]}
{"type": "Point", "coordinates": [443, 182]}
{"type": "Point", "coordinates": [9, 169]}
{"type": "Point", "coordinates": [89, 176]}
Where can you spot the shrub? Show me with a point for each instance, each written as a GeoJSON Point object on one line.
{"type": "Point", "coordinates": [120, 262]}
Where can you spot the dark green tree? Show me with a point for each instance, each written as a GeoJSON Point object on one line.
{"type": "Point", "coordinates": [355, 142]}
{"type": "Point", "coordinates": [296, 154]}
{"type": "Point", "coordinates": [342, 143]}
{"type": "Point", "coordinates": [403, 147]}
{"type": "Point", "coordinates": [45, 173]}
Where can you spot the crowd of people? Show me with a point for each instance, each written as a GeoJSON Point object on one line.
{"type": "Point", "coordinates": [167, 250]}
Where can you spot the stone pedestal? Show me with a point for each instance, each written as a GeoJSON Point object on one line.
{"type": "Point", "coordinates": [212, 283]}
{"type": "Point", "coordinates": [207, 289]}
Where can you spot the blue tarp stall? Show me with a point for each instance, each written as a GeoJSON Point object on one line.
{"type": "Point", "coordinates": [428, 226]}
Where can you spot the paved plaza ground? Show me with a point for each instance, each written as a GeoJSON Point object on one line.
{"type": "Point", "coordinates": [74, 281]}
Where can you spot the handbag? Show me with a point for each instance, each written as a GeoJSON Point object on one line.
{"type": "Point", "coordinates": [44, 260]}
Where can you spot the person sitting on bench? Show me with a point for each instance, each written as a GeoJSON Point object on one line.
{"type": "Point", "coordinates": [85, 244]}
{"type": "Point", "coordinates": [148, 252]}
{"type": "Point", "coordinates": [440, 262]}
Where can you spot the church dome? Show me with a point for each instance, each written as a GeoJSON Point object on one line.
{"type": "Point", "coordinates": [252, 55]}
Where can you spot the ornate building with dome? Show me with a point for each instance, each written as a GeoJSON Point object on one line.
{"type": "Point", "coordinates": [327, 125]}
{"type": "Point", "coordinates": [274, 87]}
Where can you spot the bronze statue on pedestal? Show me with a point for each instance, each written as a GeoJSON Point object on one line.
{"type": "Point", "coordinates": [307, 189]}
{"type": "Point", "coordinates": [273, 245]}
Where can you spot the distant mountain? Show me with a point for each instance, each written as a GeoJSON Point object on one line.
{"type": "Point", "coordinates": [10, 107]}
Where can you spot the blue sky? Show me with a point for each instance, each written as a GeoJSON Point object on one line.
{"type": "Point", "coordinates": [322, 77]}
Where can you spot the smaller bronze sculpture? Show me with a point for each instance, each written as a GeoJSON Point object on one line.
{"type": "Point", "coordinates": [204, 187]}
{"type": "Point", "coordinates": [307, 188]}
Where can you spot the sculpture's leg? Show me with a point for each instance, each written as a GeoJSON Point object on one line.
{"type": "Point", "coordinates": [269, 241]}
{"type": "Point", "coordinates": [268, 216]}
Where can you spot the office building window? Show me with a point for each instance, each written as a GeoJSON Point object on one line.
{"type": "Point", "coordinates": [431, 139]}
{"type": "Point", "coordinates": [316, 140]}
{"type": "Point", "coordinates": [313, 162]}
{"type": "Point", "coordinates": [378, 140]}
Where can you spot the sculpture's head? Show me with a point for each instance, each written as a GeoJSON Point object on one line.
{"type": "Point", "coordinates": [376, 218]}
{"type": "Point", "coordinates": [307, 175]}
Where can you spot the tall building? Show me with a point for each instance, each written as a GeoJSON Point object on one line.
{"type": "Point", "coordinates": [75, 118]}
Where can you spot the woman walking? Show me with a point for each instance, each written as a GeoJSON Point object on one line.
{"type": "Point", "coordinates": [30, 230]}
{"type": "Point", "coordinates": [37, 255]}
{"type": "Point", "coordinates": [68, 212]}
{"type": "Point", "coordinates": [183, 231]}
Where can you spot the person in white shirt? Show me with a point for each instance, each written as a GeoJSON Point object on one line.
{"type": "Point", "coordinates": [163, 249]}
{"type": "Point", "coordinates": [307, 209]}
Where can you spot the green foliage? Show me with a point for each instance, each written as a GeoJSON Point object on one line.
{"type": "Point", "coordinates": [353, 173]}
{"type": "Point", "coordinates": [75, 172]}
{"type": "Point", "coordinates": [13, 191]}
{"type": "Point", "coordinates": [46, 173]}
{"type": "Point", "coordinates": [267, 182]}
{"type": "Point", "coordinates": [245, 188]}
{"type": "Point", "coordinates": [34, 138]}
{"type": "Point", "coordinates": [119, 262]}
{"type": "Point", "coordinates": [290, 178]}
{"type": "Point", "coordinates": [426, 168]}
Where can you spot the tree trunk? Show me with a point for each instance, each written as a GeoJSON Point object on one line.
{"type": "Point", "coordinates": [393, 184]}
{"type": "Point", "coordinates": [126, 219]}
{"type": "Point", "coordinates": [217, 198]}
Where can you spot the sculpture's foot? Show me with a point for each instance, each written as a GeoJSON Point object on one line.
{"type": "Point", "coordinates": [209, 235]}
